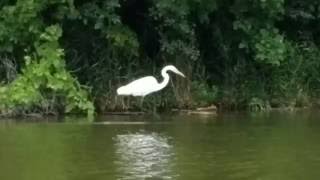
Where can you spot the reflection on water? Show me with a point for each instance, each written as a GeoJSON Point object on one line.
{"type": "Point", "coordinates": [142, 156]}
{"type": "Point", "coordinates": [268, 146]}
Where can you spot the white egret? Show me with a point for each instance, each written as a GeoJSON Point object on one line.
{"type": "Point", "coordinates": [149, 84]}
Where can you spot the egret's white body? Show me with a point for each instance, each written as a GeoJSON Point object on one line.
{"type": "Point", "coordinates": [148, 84]}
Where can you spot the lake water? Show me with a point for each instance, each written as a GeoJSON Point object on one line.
{"type": "Point", "coordinates": [262, 146]}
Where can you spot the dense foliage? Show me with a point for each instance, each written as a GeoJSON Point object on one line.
{"type": "Point", "coordinates": [61, 56]}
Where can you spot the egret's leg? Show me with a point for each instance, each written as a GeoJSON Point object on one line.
{"type": "Point", "coordinates": [154, 110]}
{"type": "Point", "coordinates": [141, 102]}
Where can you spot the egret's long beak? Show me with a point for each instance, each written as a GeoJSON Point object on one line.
{"type": "Point", "coordinates": [181, 74]}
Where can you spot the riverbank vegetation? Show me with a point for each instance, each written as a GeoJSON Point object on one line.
{"type": "Point", "coordinates": [59, 56]}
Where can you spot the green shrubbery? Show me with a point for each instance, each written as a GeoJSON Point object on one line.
{"type": "Point", "coordinates": [44, 81]}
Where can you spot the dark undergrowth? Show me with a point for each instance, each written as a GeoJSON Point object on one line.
{"type": "Point", "coordinates": [60, 57]}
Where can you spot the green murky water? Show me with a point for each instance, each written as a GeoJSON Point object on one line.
{"type": "Point", "coordinates": [272, 146]}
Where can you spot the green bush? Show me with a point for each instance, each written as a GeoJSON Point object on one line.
{"type": "Point", "coordinates": [44, 73]}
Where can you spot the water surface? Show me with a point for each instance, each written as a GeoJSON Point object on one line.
{"type": "Point", "coordinates": [264, 146]}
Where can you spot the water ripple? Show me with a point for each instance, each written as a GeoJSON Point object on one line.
{"type": "Point", "coordinates": [143, 156]}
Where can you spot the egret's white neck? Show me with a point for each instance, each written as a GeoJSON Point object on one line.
{"type": "Point", "coordinates": [166, 79]}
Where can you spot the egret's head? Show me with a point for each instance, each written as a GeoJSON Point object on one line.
{"type": "Point", "coordinates": [173, 69]}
